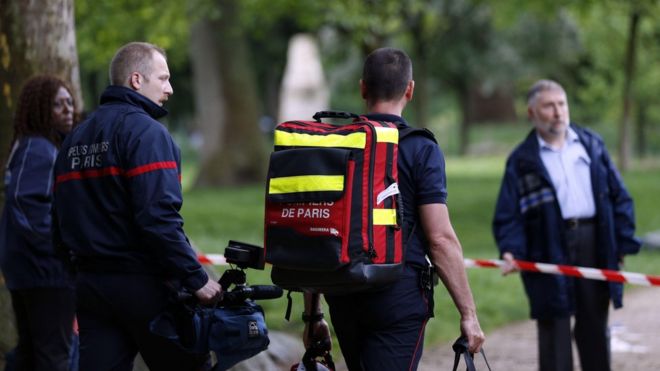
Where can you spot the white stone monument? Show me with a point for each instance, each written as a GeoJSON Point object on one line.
{"type": "Point", "coordinates": [304, 90]}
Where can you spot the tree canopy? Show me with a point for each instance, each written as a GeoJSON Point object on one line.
{"type": "Point", "coordinates": [464, 52]}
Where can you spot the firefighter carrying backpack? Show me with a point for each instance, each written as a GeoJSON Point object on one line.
{"type": "Point", "coordinates": [334, 214]}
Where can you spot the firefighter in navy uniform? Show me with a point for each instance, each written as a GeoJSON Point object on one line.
{"type": "Point", "coordinates": [117, 202]}
{"type": "Point", "coordinates": [384, 329]}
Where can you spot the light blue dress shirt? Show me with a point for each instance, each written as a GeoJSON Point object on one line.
{"type": "Point", "coordinates": [571, 177]}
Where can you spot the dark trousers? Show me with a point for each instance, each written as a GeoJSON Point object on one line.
{"type": "Point", "coordinates": [44, 319]}
{"type": "Point", "coordinates": [114, 311]}
{"type": "Point", "coordinates": [383, 330]}
{"type": "Point", "coordinates": [591, 315]}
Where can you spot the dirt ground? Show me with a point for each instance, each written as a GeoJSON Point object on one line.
{"type": "Point", "coordinates": [635, 333]}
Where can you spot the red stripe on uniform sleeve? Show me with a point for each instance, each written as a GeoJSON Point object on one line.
{"type": "Point", "coordinates": [91, 173]}
{"type": "Point", "coordinates": [96, 173]}
{"type": "Point", "coordinates": [150, 167]}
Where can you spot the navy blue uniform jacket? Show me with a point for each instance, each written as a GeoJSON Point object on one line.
{"type": "Point", "coordinates": [528, 222]}
{"type": "Point", "coordinates": [118, 193]}
{"type": "Point", "coordinates": [27, 256]}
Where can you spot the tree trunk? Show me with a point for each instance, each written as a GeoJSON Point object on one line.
{"type": "Point", "coordinates": [421, 99]}
{"type": "Point", "coordinates": [36, 37]}
{"type": "Point", "coordinates": [240, 158]}
{"type": "Point", "coordinates": [642, 124]}
{"type": "Point", "coordinates": [207, 86]}
{"type": "Point", "coordinates": [421, 71]}
{"type": "Point", "coordinates": [629, 70]}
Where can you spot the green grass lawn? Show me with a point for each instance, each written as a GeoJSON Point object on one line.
{"type": "Point", "coordinates": [215, 216]}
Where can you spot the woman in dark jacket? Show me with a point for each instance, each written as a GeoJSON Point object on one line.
{"type": "Point", "coordinates": [41, 289]}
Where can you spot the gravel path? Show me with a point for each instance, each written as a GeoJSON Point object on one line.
{"type": "Point", "coordinates": [635, 340]}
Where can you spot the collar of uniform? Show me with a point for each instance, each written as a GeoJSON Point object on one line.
{"type": "Point", "coordinates": [571, 137]}
{"type": "Point", "coordinates": [116, 93]}
{"type": "Point", "coordinates": [386, 117]}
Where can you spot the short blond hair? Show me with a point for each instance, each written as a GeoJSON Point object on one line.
{"type": "Point", "coordinates": [132, 57]}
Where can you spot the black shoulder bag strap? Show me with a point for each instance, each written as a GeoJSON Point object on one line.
{"type": "Point", "coordinates": [405, 131]}
{"type": "Point", "coordinates": [461, 347]}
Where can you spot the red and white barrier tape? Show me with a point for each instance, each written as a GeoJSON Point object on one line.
{"type": "Point", "coordinates": [565, 270]}
{"type": "Point", "coordinates": [569, 270]}
{"type": "Point", "coordinates": [212, 259]}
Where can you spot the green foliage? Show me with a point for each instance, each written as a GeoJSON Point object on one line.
{"type": "Point", "coordinates": [104, 25]}
{"type": "Point", "coordinates": [383, 22]}
{"type": "Point", "coordinates": [482, 42]}
{"type": "Point", "coordinates": [544, 45]}
{"type": "Point", "coordinates": [260, 16]}
{"type": "Point", "coordinates": [606, 44]}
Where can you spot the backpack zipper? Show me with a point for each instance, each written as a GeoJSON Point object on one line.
{"type": "Point", "coordinates": [371, 252]}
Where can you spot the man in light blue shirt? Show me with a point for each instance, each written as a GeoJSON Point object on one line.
{"type": "Point", "coordinates": [562, 201]}
{"type": "Point", "coordinates": [568, 167]}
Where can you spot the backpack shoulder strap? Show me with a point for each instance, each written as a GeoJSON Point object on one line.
{"type": "Point", "coordinates": [405, 131]}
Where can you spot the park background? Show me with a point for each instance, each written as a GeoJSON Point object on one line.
{"type": "Point", "coordinates": [473, 62]}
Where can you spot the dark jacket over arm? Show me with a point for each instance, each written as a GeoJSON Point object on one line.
{"type": "Point", "coordinates": [27, 255]}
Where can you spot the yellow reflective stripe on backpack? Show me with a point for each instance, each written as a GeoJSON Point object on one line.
{"type": "Point", "coordinates": [306, 183]}
{"type": "Point", "coordinates": [384, 216]}
{"type": "Point", "coordinates": [389, 135]}
{"type": "Point", "coordinates": [354, 140]}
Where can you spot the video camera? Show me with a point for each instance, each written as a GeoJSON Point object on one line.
{"type": "Point", "coordinates": [235, 328]}
{"type": "Point", "coordinates": [243, 256]}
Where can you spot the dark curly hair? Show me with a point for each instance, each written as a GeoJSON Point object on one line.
{"type": "Point", "coordinates": [34, 112]}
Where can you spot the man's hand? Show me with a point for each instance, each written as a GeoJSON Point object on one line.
{"type": "Point", "coordinates": [320, 333]}
{"type": "Point", "coordinates": [210, 293]}
{"type": "Point", "coordinates": [471, 329]}
{"type": "Point", "coordinates": [510, 265]}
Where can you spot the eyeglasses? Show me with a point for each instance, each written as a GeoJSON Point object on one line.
{"type": "Point", "coordinates": [60, 103]}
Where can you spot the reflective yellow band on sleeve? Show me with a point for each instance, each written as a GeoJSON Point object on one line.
{"type": "Point", "coordinates": [306, 183]}
{"type": "Point", "coordinates": [384, 216]}
{"type": "Point", "coordinates": [354, 140]}
{"type": "Point", "coordinates": [389, 135]}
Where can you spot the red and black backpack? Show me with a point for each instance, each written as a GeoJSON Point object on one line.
{"type": "Point", "coordinates": [334, 213]}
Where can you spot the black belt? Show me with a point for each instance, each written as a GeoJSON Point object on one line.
{"type": "Point", "coordinates": [575, 223]}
